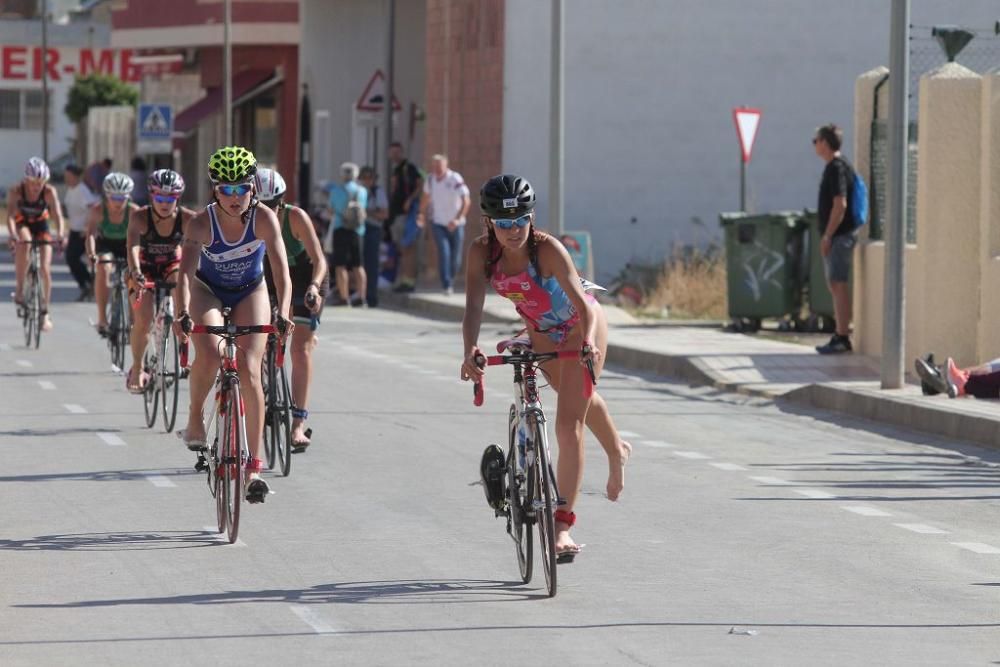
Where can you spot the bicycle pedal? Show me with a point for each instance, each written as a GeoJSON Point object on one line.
{"type": "Point", "coordinates": [201, 465]}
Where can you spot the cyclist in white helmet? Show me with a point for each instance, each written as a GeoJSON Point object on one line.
{"type": "Point", "coordinates": [154, 254]}
{"type": "Point", "coordinates": [308, 271]}
{"type": "Point", "coordinates": [30, 205]}
{"type": "Point", "coordinates": [107, 227]}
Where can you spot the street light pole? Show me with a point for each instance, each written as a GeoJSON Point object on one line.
{"type": "Point", "coordinates": [893, 323]}
{"type": "Point", "coordinates": [45, 80]}
{"type": "Point", "coordinates": [227, 73]}
{"type": "Point", "coordinates": [382, 155]}
{"type": "Point", "coordinates": [556, 118]}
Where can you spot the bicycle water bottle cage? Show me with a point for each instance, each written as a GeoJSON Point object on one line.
{"type": "Point", "coordinates": [514, 345]}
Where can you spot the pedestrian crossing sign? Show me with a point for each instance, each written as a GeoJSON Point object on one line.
{"type": "Point", "coordinates": [154, 127]}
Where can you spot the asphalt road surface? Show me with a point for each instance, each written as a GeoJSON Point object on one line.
{"type": "Point", "coordinates": [748, 534]}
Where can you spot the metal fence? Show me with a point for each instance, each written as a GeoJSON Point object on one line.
{"type": "Point", "coordinates": [980, 55]}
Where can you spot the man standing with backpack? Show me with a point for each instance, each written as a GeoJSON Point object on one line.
{"type": "Point", "coordinates": [839, 199]}
{"type": "Point", "coordinates": [349, 201]}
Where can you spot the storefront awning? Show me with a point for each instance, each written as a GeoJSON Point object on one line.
{"type": "Point", "coordinates": [246, 85]}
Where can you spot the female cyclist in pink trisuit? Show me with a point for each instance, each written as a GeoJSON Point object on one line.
{"type": "Point", "coordinates": [535, 272]}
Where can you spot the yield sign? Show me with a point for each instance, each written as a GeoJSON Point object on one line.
{"type": "Point", "coordinates": [747, 121]}
{"type": "Point", "coordinates": [373, 97]}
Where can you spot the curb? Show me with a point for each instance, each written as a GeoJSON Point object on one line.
{"type": "Point", "coordinates": [864, 401]}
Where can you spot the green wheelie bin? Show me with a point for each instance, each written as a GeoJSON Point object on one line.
{"type": "Point", "coordinates": [765, 269]}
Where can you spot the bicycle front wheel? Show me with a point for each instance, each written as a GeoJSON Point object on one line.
{"type": "Point", "coordinates": [232, 461]}
{"type": "Point", "coordinates": [150, 367]}
{"type": "Point", "coordinates": [544, 503]}
{"type": "Point", "coordinates": [283, 423]}
{"type": "Point", "coordinates": [170, 377]}
{"type": "Point", "coordinates": [269, 381]}
{"type": "Point", "coordinates": [124, 327]}
{"type": "Point", "coordinates": [517, 520]}
{"type": "Point", "coordinates": [36, 310]}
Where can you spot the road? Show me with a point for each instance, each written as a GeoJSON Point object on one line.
{"type": "Point", "coordinates": [748, 534]}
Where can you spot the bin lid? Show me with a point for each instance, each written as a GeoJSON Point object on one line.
{"type": "Point", "coordinates": [787, 218]}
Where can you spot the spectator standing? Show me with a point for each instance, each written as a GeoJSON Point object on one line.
{"type": "Point", "coordinates": [79, 198]}
{"type": "Point", "coordinates": [375, 230]}
{"type": "Point", "coordinates": [138, 175]}
{"type": "Point", "coordinates": [447, 197]}
{"type": "Point", "coordinates": [349, 201]}
{"type": "Point", "coordinates": [405, 187]}
{"type": "Point", "coordinates": [95, 173]}
{"type": "Point", "coordinates": [837, 226]}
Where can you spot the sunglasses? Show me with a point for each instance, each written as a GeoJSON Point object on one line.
{"type": "Point", "coordinates": [504, 223]}
{"type": "Point", "coordinates": [165, 199]}
{"type": "Point", "coordinates": [118, 198]}
{"type": "Point", "coordinates": [230, 190]}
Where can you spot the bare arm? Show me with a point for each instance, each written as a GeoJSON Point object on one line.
{"type": "Point", "coordinates": [303, 230]}
{"type": "Point", "coordinates": [136, 228]}
{"type": "Point", "coordinates": [465, 207]}
{"type": "Point", "coordinates": [475, 297]}
{"type": "Point", "coordinates": [554, 260]}
{"type": "Point", "coordinates": [269, 231]}
{"type": "Point", "coordinates": [197, 235]}
{"type": "Point", "coordinates": [93, 219]}
{"type": "Point", "coordinates": [52, 199]}
{"type": "Point", "coordinates": [13, 198]}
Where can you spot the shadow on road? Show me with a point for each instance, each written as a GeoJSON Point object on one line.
{"type": "Point", "coordinates": [433, 591]}
{"type": "Point", "coordinates": [102, 475]}
{"type": "Point", "coordinates": [115, 541]}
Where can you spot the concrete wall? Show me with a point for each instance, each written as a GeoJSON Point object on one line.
{"type": "Point", "coordinates": [949, 271]}
{"type": "Point", "coordinates": [344, 42]}
{"type": "Point", "coordinates": [650, 85]}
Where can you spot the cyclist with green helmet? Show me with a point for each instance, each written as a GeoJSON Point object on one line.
{"type": "Point", "coordinates": [107, 228]}
{"type": "Point", "coordinates": [217, 273]}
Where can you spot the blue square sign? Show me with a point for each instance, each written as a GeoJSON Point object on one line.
{"type": "Point", "coordinates": [154, 128]}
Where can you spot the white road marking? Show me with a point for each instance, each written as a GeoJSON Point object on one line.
{"type": "Point", "coordinates": [692, 455]}
{"type": "Point", "coordinates": [160, 481]}
{"type": "Point", "coordinates": [111, 439]}
{"type": "Point", "coordinates": [653, 443]}
{"type": "Point", "coordinates": [921, 528]}
{"type": "Point", "coordinates": [977, 547]}
{"type": "Point", "coordinates": [46, 385]}
{"type": "Point", "coordinates": [75, 409]}
{"type": "Point", "coordinates": [629, 434]}
{"type": "Point", "coordinates": [864, 510]}
{"type": "Point", "coordinates": [312, 619]}
{"type": "Point", "coordinates": [732, 467]}
{"type": "Point", "coordinates": [222, 536]}
{"type": "Point", "coordinates": [813, 493]}
{"type": "Point", "coordinates": [774, 481]}
{"type": "Point", "coordinates": [24, 363]}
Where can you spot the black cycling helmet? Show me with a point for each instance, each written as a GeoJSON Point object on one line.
{"type": "Point", "coordinates": [506, 196]}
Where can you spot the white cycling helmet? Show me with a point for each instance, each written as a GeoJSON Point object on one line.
{"type": "Point", "coordinates": [117, 183]}
{"type": "Point", "coordinates": [166, 181]}
{"type": "Point", "coordinates": [36, 168]}
{"type": "Point", "coordinates": [270, 185]}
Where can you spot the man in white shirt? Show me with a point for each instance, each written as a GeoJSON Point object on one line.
{"type": "Point", "coordinates": [78, 200]}
{"type": "Point", "coordinates": [447, 196]}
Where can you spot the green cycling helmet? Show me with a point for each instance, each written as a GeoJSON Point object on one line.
{"type": "Point", "coordinates": [232, 164]}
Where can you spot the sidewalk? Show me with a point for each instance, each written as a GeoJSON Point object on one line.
{"type": "Point", "coordinates": [758, 367]}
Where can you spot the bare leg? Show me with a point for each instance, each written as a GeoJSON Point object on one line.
{"type": "Point", "coordinates": [45, 271]}
{"type": "Point", "coordinates": [253, 309]}
{"type": "Point", "coordinates": [20, 262]}
{"type": "Point", "coordinates": [204, 309]}
{"type": "Point", "coordinates": [141, 318]}
{"type": "Point", "coordinates": [360, 281]}
{"type": "Point", "coordinates": [102, 272]}
{"type": "Point", "coordinates": [842, 307]}
{"type": "Point", "coordinates": [303, 343]}
{"type": "Point", "coordinates": [343, 288]}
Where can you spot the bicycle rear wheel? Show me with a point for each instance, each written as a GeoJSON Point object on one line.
{"type": "Point", "coordinates": [517, 520]}
{"type": "Point", "coordinates": [170, 376]}
{"type": "Point", "coordinates": [232, 461]}
{"type": "Point", "coordinates": [151, 367]}
{"type": "Point", "coordinates": [283, 423]}
{"type": "Point", "coordinates": [544, 502]}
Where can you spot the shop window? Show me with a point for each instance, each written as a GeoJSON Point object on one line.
{"type": "Point", "coordinates": [21, 110]}
{"type": "Point", "coordinates": [10, 109]}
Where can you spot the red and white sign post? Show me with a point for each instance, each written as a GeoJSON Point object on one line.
{"type": "Point", "coordinates": [747, 121]}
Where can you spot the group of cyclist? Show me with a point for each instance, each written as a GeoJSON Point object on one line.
{"type": "Point", "coordinates": [260, 257]}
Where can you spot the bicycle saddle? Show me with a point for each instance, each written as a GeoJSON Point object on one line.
{"type": "Point", "coordinates": [515, 345]}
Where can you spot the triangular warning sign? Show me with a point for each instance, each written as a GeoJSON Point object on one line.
{"type": "Point", "coordinates": [154, 122]}
{"type": "Point", "coordinates": [373, 96]}
{"type": "Point", "coordinates": [747, 121]}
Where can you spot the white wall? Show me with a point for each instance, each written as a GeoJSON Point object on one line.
{"type": "Point", "coordinates": [344, 42]}
{"type": "Point", "coordinates": [650, 85]}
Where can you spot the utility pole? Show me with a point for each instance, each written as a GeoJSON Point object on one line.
{"type": "Point", "coordinates": [893, 323]}
{"type": "Point", "coordinates": [227, 73]}
{"type": "Point", "coordinates": [556, 118]}
{"type": "Point", "coordinates": [382, 152]}
{"type": "Point", "coordinates": [45, 80]}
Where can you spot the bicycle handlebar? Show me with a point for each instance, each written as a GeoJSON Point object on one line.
{"type": "Point", "coordinates": [233, 331]}
{"type": "Point", "coordinates": [478, 388]}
